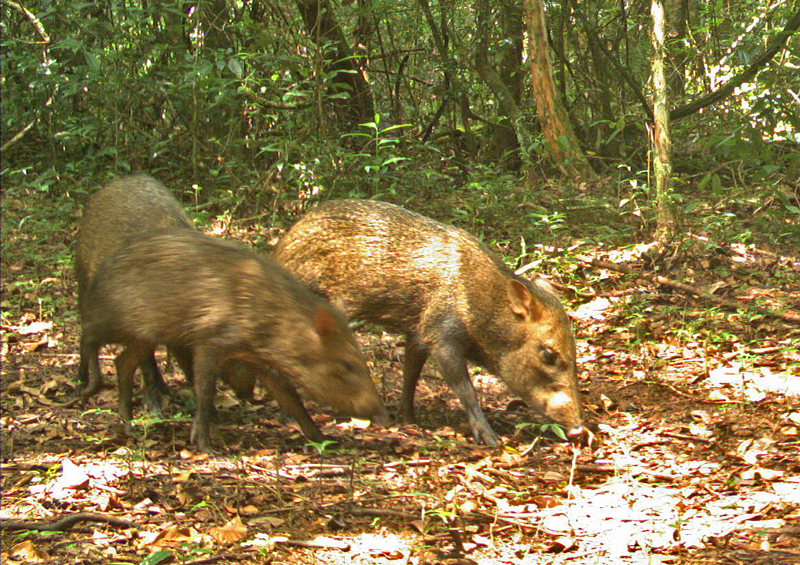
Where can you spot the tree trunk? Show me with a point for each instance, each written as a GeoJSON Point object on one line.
{"type": "Point", "coordinates": [562, 144]}
{"type": "Point", "coordinates": [661, 140]}
{"type": "Point", "coordinates": [322, 28]}
{"type": "Point", "coordinates": [453, 86]}
{"type": "Point", "coordinates": [504, 83]}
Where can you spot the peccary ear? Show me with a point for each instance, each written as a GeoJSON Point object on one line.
{"type": "Point", "coordinates": [522, 302]}
{"type": "Point", "coordinates": [324, 323]}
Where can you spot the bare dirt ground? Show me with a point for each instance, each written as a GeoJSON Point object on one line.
{"type": "Point", "coordinates": [695, 457]}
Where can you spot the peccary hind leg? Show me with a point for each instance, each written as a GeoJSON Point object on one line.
{"type": "Point", "coordinates": [415, 357]}
{"type": "Point", "coordinates": [126, 363]}
{"type": "Point", "coordinates": [89, 369]}
{"type": "Point", "coordinates": [152, 386]}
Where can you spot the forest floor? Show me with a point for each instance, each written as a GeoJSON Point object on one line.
{"type": "Point", "coordinates": [695, 455]}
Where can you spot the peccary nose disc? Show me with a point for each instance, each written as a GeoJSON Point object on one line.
{"type": "Point", "coordinates": [575, 433]}
{"type": "Point", "coordinates": [381, 419]}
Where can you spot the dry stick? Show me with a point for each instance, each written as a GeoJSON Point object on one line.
{"type": "Point", "coordinates": [381, 513]}
{"type": "Point", "coordinates": [319, 543]}
{"type": "Point", "coordinates": [785, 316]}
{"type": "Point", "coordinates": [66, 523]}
{"type": "Point", "coordinates": [688, 437]}
{"type": "Point", "coordinates": [207, 560]}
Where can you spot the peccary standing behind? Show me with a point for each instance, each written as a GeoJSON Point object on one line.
{"type": "Point", "coordinates": [452, 298]}
{"type": "Point", "coordinates": [125, 207]}
{"type": "Point", "coordinates": [130, 207]}
{"type": "Point", "coordinates": [222, 302]}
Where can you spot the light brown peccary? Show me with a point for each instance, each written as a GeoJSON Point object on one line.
{"type": "Point", "coordinates": [452, 298]}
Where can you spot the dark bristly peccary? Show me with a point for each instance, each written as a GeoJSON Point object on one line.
{"type": "Point", "coordinates": [125, 207]}
{"type": "Point", "coordinates": [129, 207]}
{"type": "Point", "coordinates": [220, 302]}
{"type": "Point", "coordinates": [452, 298]}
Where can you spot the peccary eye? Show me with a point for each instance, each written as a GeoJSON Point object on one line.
{"type": "Point", "coordinates": [549, 357]}
{"type": "Point", "coordinates": [348, 367]}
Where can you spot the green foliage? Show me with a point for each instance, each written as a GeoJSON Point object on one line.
{"type": "Point", "coordinates": [157, 557]}
{"type": "Point", "coordinates": [542, 429]}
{"type": "Point", "coordinates": [238, 108]}
{"type": "Point", "coordinates": [323, 447]}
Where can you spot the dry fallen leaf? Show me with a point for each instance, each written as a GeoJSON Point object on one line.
{"type": "Point", "coordinates": [28, 552]}
{"type": "Point", "coordinates": [248, 510]}
{"type": "Point", "coordinates": [232, 532]}
{"type": "Point", "coordinates": [273, 521]}
{"type": "Point", "coordinates": [172, 536]}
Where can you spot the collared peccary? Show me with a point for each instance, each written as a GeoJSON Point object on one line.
{"type": "Point", "coordinates": [220, 302]}
{"type": "Point", "coordinates": [125, 207]}
{"type": "Point", "coordinates": [129, 207]}
{"type": "Point", "coordinates": [452, 298]}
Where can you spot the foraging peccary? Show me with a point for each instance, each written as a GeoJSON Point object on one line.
{"type": "Point", "coordinates": [223, 302]}
{"type": "Point", "coordinates": [128, 207]}
{"type": "Point", "coordinates": [452, 298]}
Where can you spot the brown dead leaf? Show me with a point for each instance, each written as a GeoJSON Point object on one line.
{"type": "Point", "coordinates": [553, 477]}
{"type": "Point", "coordinates": [248, 510]}
{"type": "Point", "coordinates": [546, 501]}
{"type": "Point", "coordinates": [72, 476]}
{"type": "Point", "coordinates": [187, 455]}
{"type": "Point", "coordinates": [232, 532]}
{"type": "Point", "coordinates": [45, 342]}
{"type": "Point", "coordinates": [173, 535]}
{"type": "Point", "coordinates": [562, 544]}
{"type": "Point", "coordinates": [28, 552]}
{"type": "Point", "coordinates": [273, 521]}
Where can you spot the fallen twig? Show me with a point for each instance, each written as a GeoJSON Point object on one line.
{"type": "Point", "coordinates": [66, 523]}
{"type": "Point", "coordinates": [732, 304]}
{"type": "Point", "coordinates": [317, 543]}
{"type": "Point", "coordinates": [207, 560]}
{"type": "Point", "coordinates": [382, 513]}
{"type": "Point", "coordinates": [687, 437]}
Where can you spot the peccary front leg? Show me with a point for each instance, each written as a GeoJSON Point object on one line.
{"type": "Point", "coordinates": [126, 363]}
{"type": "Point", "coordinates": [415, 357]}
{"type": "Point", "coordinates": [290, 402]}
{"type": "Point", "coordinates": [451, 363]}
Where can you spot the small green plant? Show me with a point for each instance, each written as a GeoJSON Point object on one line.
{"type": "Point", "coordinates": [540, 429]}
{"type": "Point", "coordinates": [378, 157]}
{"type": "Point", "coordinates": [323, 446]}
{"type": "Point", "coordinates": [157, 557]}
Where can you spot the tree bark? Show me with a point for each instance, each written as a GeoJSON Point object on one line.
{"type": "Point", "coordinates": [511, 131]}
{"type": "Point", "coordinates": [563, 149]}
{"type": "Point", "coordinates": [322, 27]}
{"type": "Point", "coordinates": [661, 139]}
{"type": "Point", "coordinates": [453, 82]}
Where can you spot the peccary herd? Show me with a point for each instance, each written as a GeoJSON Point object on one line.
{"type": "Point", "coordinates": [146, 278]}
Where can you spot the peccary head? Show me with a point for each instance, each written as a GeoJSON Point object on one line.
{"type": "Point", "coordinates": [332, 369]}
{"type": "Point", "coordinates": [538, 363]}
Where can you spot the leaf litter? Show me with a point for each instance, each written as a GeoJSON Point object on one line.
{"type": "Point", "coordinates": [695, 456]}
